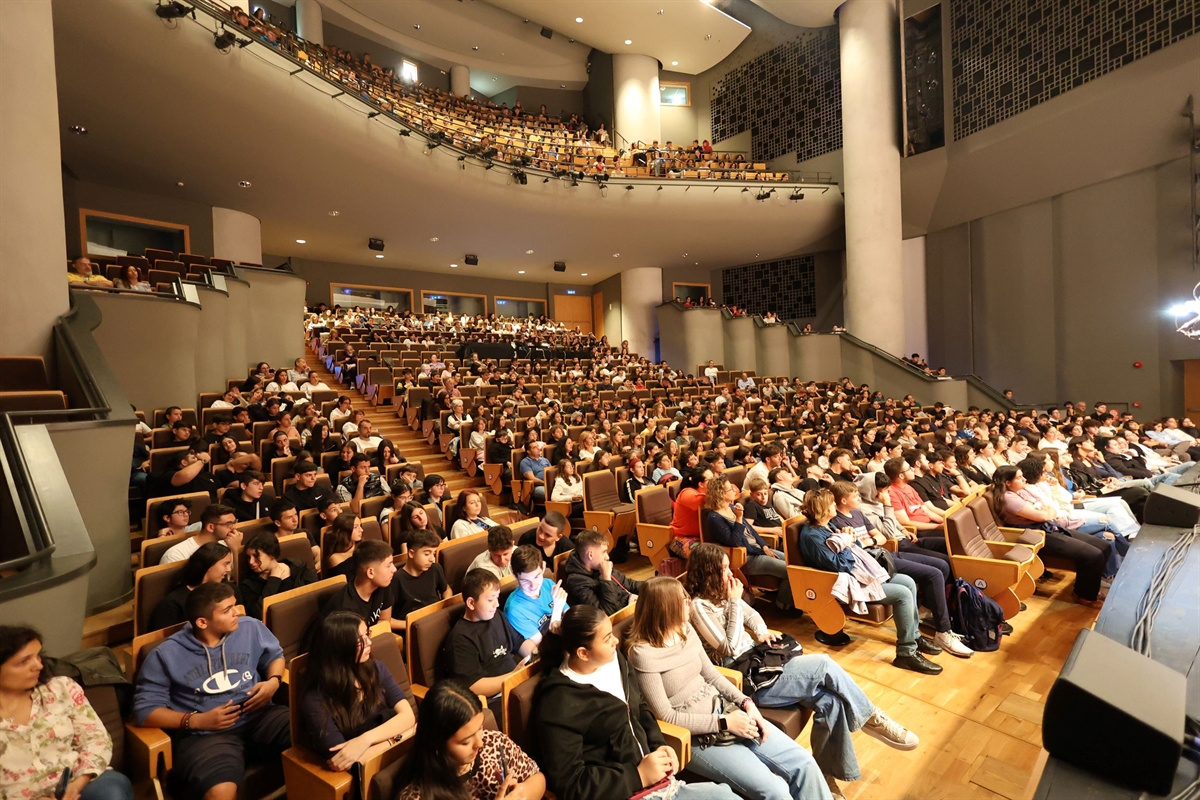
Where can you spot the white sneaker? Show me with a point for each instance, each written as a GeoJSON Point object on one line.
{"type": "Point", "coordinates": [890, 732]}
{"type": "Point", "coordinates": [952, 643]}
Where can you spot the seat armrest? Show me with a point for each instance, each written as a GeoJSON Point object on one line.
{"type": "Point", "coordinates": [732, 675]}
{"type": "Point", "coordinates": [771, 539]}
{"type": "Point", "coordinates": [680, 740]}
{"type": "Point", "coordinates": [419, 691]}
{"type": "Point", "coordinates": [148, 748]}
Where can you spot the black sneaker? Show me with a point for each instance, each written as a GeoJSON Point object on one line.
{"type": "Point", "coordinates": [839, 639]}
{"type": "Point", "coordinates": [917, 663]}
{"type": "Point", "coordinates": [1047, 576]}
{"type": "Point", "coordinates": [1006, 629]}
{"type": "Point", "coordinates": [1024, 607]}
{"type": "Point", "coordinates": [928, 646]}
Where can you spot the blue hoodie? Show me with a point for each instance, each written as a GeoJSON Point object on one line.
{"type": "Point", "coordinates": [184, 675]}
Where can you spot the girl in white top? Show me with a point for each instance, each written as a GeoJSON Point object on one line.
{"type": "Point", "coordinates": [587, 446]}
{"type": "Point", "coordinates": [568, 487]}
{"type": "Point", "coordinates": [313, 384]}
{"type": "Point", "coordinates": [468, 515]}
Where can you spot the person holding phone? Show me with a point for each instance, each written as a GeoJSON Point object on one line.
{"type": "Point", "coordinates": [732, 742]}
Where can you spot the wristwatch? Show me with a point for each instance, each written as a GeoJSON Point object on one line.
{"type": "Point", "coordinates": [722, 724]}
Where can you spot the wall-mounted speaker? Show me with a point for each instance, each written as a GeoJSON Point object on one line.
{"type": "Point", "coordinates": [560, 266]}
{"type": "Point", "coordinates": [472, 260]}
{"type": "Point", "coordinates": [547, 32]}
{"type": "Point", "coordinates": [375, 244]}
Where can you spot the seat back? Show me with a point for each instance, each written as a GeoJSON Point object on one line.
{"type": "Point", "coordinates": [23, 374]}
{"type": "Point", "coordinates": [981, 509]}
{"type": "Point", "coordinates": [150, 585]}
{"type": "Point", "coordinates": [455, 555]}
{"type": "Point", "coordinates": [654, 506]}
{"type": "Point", "coordinates": [107, 706]}
{"type": "Point", "coordinates": [791, 540]}
{"type": "Point", "coordinates": [426, 632]}
{"type": "Point", "coordinates": [963, 536]}
{"type": "Point", "coordinates": [294, 547]}
{"type": "Point", "coordinates": [154, 549]}
{"type": "Point", "coordinates": [736, 476]}
{"type": "Point", "coordinates": [517, 705]}
{"type": "Point", "coordinates": [289, 614]}
{"type": "Point", "coordinates": [600, 491]}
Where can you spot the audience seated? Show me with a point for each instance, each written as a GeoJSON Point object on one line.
{"type": "Point", "coordinates": [538, 604]}
{"type": "Point", "coordinates": [50, 729]}
{"type": "Point", "coordinates": [483, 648]}
{"type": "Point", "coordinates": [591, 579]}
{"type": "Point", "coordinates": [216, 718]}
{"type": "Point", "coordinates": [495, 559]}
{"type": "Point", "coordinates": [247, 500]}
{"type": "Point", "coordinates": [597, 737]}
{"type": "Point", "coordinates": [216, 525]}
{"type": "Point", "coordinates": [271, 574]}
{"type": "Point", "coordinates": [466, 516]}
{"type": "Point", "coordinates": [175, 517]}
{"type": "Point", "coordinates": [211, 563]}
{"type": "Point", "coordinates": [369, 594]}
{"type": "Point", "coordinates": [728, 528]}
{"type": "Point", "coordinates": [420, 581]}
{"type": "Point", "coordinates": [550, 536]}
{"type": "Point", "coordinates": [456, 757]}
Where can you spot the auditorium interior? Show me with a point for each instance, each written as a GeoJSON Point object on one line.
{"type": "Point", "coordinates": [680, 280]}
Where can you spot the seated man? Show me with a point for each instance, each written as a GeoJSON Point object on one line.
{"type": "Point", "coordinates": [538, 603]}
{"type": "Point", "coordinates": [219, 429]}
{"type": "Point", "coordinates": [214, 711]}
{"type": "Point", "coordinates": [910, 509]}
{"type": "Point", "coordinates": [498, 554]}
{"type": "Point", "coordinates": [175, 517]}
{"type": "Point", "coordinates": [591, 579]}
{"type": "Point", "coordinates": [759, 511]}
{"type": "Point", "coordinates": [270, 574]}
{"type": "Point", "coordinates": [370, 593]}
{"type": "Point", "coordinates": [482, 648]}
{"type": "Point", "coordinates": [247, 500]}
{"type": "Point", "coordinates": [366, 439]}
{"type": "Point", "coordinates": [420, 581]}
{"type": "Point", "coordinates": [216, 525]}
{"type": "Point", "coordinates": [286, 520]}
{"type": "Point", "coordinates": [501, 453]}
{"type": "Point", "coordinates": [81, 273]}
{"type": "Point", "coordinates": [533, 469]}
{"type": "Point", "coordinates": [186, 473]}
{"type": "Point", "coordinates": [552, 536]}
{"type": "Point", "coordinates": [361, 484]}
{"type": "Point", "coordinates": [304, 493]}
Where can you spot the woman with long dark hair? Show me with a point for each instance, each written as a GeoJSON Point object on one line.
{"type": "Point", "coordinates": [599, 740]}
{"type": "Point", "coordinates": [49, 727]}
{"type": "Point", "coordinates": [350, 706]}
{"type": "Point", "coordinates": [211, 563]}
{"type": "Point", "coordinates": [337, 547]}
{"type": "Point", "coordinates": [454, 758]}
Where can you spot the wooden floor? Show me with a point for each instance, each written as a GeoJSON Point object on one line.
{"type": "Point", "coordinates": [979, 721]}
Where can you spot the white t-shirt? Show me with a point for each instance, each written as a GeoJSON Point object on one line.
{"type": "Point", "coordinates": [182, 551]}
{"type": "Point", "coordinates": [484, 561]}
{"type": "Point", "coordinates": [363, 446]}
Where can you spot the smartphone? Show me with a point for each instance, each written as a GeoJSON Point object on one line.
{"type": "Point", "coordinates": [63, 781]}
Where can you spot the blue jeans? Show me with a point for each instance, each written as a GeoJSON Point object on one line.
{"type": "Point", "coordinates": [902, 596]}
{"type": "Point", "coordinates": [776, 567]}
{"type": "Point", "coordinates": [110, 785]}
{"type": "Point", "coordinates": [1120, 517]}
{"type": "Point", "coordinates": [838, 704]}
{"type": "Point", "coordinates": [780, 770]}
{"type": "Point", "coordinates": [704, 791]}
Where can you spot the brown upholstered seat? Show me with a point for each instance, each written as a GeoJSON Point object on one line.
{"type": "Point", "coordinates": [23, 374]}
{"type": "Point", "coordinates": [150, 585]}
{"type": "Point", "coordinates": [199, 501]}
{"type": "Point", "coordinates": [812, 588]}
{"type": "Point", "coordinates": [999, 570]}
{"type": "Point", "coordinates": [424, 638]}
{"type": "Point", "coordinates": [154, 549]}
{"type": "Point", "coordinates": [455, 555]}
{"type": "Point", "coordinates": [654, 513]}
{"type": "Point", "coordinates": [603, 509]}
{"type": "Point", "coordinates": [289, 614]}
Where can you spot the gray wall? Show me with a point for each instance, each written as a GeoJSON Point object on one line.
{"type": "Point", "coordinates": [741, 352]}
{"type": "Point", "coordinates": [679, 122]}
{"type": "Point", "coordinates": [385, 56]}
{"type": "Point", "coordinates": [1058, 298]}
{"type": "Point", "coordinates": [598, 103]}
{"type": "Point", "coordinates": [610, 288]}
{"type": "Point", "coordinates": [79, 194]}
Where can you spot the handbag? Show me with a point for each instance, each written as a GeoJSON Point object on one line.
{"type": "Point", "coordinates": [884, 557]}
{"type": "Point", "coordinates": [762, 664]}
{"type": "Point", "coordinates": [721, 706]}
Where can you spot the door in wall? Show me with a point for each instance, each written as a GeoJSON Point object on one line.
{"type": "Point", "coordinates": [573, 310]}
{"type": "Point", "coordinates": [598, 313]}
{"type": "Point", "coordinates": [1191, 388]}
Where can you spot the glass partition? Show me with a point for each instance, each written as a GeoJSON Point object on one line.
{"type": "Point", "coordinates": [441, 302]}
{"type": "Point", "coordinates": [519, 307]}
{"type": "Point", "coordinates": [349, 295]}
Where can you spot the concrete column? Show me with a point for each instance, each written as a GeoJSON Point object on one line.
{"type": "Point", "coordinates": [635, 98]}
{"type": "Point", "coordinates": [870, 136]}
{"type": "Point", "coordinates": [641, 294]}
{"type": "Point", "coordinates": [460, 80]}
{"type": "Point", "coordinates": [916, 337]}
{"type": "Point", "coordinates": [33, 253]}
{"type": "Point", "coordinates": [237, 236]}
{"type": "Point", "coordinates": [309, 22]}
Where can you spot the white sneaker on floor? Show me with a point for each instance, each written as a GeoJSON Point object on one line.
{"type": "Point", "coordinates": [952, 643]}
{"type": "Point", "coordinates": [890, 732]}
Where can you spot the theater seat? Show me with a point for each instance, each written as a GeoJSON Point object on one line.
{"type": "Point", "coordinates": [289, 614]}
{"type": "Point", "coordinates": [812, 589]}
{"type": "Point", "coordinates": [455, 555]}
{"type": "Point", "coordinates": [654, 513]}
{"type": "Point", "coordinates": [23, 374]}
{"type": "Point", "coordinates": [999, 570]}
{"type": "Point", "coordinates": [1035, 540]}
{"type": "Point", "coordinates": [603, 509]}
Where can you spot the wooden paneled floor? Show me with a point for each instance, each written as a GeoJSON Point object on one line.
{"type": "Point", "coordinates": [979, 721]}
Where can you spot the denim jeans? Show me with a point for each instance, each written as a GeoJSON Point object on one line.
{"type": "Point", "coordinates": [776, 567]}
{"type": "Point", "coordinates": [110, 785]}
{"type": "Point", "coordinates": [839, 708]}
{"type": "Point", "coordinates": [931, 574]}
{"type": "Point", "coordinates": [901, 594]}
{"type": "Point", "coordinates": [1120, 518]}
{"type": "Point", "coordinates": [704, 791]}
{"type": "Point", "coordinates": [777, 769]}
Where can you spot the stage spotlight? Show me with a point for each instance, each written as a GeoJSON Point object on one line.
{"type": "Point", "coordinates": [659, 189]}
{"type": "Point", "coordinates": [745, 189]}
{"type": "Point", "coordinates": [224, 40]}
{"type": "Point", "coordinates": [406, 132]}
{"type": "Point", "coordinates": [489, 165]}
{"type": "Point", "coordinates": [173, 10]}
{"type": "Point", "coordinates": [629, 188]}
{"type": "Point", "coordinates": [796, 195]}
{"type": "Point", "coordinates": [374, 114]}
{"type": "Point", "coordinates": [545, 180]}
{"type": "Point", "coordinates": [520, 177]}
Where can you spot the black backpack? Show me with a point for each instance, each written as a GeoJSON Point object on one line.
{"type": "Point", "coordinates": [974, 616]}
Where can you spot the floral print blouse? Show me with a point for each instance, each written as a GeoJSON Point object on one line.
{"type": "Point", "coordinates": [63, 731]}
{"type": "Point", "coordinates": [490, 768]}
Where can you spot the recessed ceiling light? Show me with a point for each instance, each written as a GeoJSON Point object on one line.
{"type": "Point", "coordinates": [179, 183]}
{"type": "Point", "coordinates": [685, 255]}
{"type": "Point", "coordinates": [379, 255]}
{"type": "Point", "coordinates": [454, 266]}
{"type": "Point", "coordinates": [661, 12]}
{"type": "Point", "coordinates": [707, 36]}
{"type": "Point", "coordinates": [616, 255]}
{"type": "Point", "coordinates": [433, 238]}
{"type": "Point", "coordinates": [697, 263]}
{"type": "Point", "coordinates": [562, 86]}
{"type": "Point", "coordinates": [674, 63]}
{"type": "Point", "coordinates": [244, 184]}
{"type": "Point", "coordinates": [334, 213]}
{"type": "Point", "coordinates": [495, 79]}
{"type": "Point", "coordinates": [520, 272]}
{"type": "Point", "coordinates": [475, 47]}
{"type": "Point", "coordinates": [78, 130]}
{"type": "Point", "coordinates": [528, 252]}
{"type": "Point", "coordinates": [416, 27]}
{"type": "Point", "coordinates": [579, 19]}
{"type": "Point", "coordinates": [583, 274]}
{"type": "Point", "coordinates": [302, 241]}
{"type": "Point", "coordinates": [629, 41]}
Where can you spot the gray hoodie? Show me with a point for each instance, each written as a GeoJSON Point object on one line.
{"type": "Point", "coordinates": [880, 516]}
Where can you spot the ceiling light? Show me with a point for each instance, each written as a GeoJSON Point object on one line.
{"type": "Point", "coordinates": [334, 213]}
{"type": "Point", "coordinates": [674, 63]}
{"type": "Point", "coordinates": [416, 27]}
{"type": "Point", "coordinates": [697, 263]}
{"type": "Point", "coordinates": [583, 274]}
{"type": "Point", "coordinates": [562, 86]}
{"type": "Point", "coordinates": [707, 36]}
{"type": "Point", "coordinates": [454, 266]}
{"type": "Point", "coordinates": [616, 255]}
{"type": "Point", "coordinates": [179, 183]}
{"type": "Point", "coordinates": [629, 41]}
{"type": "Point", "coordinates": [379, 255]}
{"type": "Point", "coordinates": [244, 184]}
{"type": "Point", "coordinates": [475, 47]}
{"type": "Point", "coordinates": [528, 252]}
{"type": "Point", "coordinates": [520, 272]}
{"type": "Point", "coordinates": [224, 40]}
{"type": "Point", "coordinates": [661, 11]}
{"type": "Point", "coordinates": [79, 130]}
{"type": "Point", "coordinates": [302, 241]}
{"type": "Point", "coordinates": [685, 255]}
{"type": "Point", "coordinates": [433, 238]}
{"type": "Point", "coordinates": [579, 19]}
{"type": "Point", "coordinates": [495, 79]}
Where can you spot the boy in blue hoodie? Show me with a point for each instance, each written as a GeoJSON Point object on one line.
{"type": "Point", "coordinates": [210, 686]}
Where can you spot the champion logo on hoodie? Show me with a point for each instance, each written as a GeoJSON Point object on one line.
{"type": "Point", "coordinates": [220, 682]}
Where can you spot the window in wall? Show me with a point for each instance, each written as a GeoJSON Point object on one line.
{"type": "Point", "coordinates": [696, 291]}
{"type": "Point", "coordinates": [671, 93]}
{"type": "Point", "coordinates": [519, 307]}
{"type": "Point", "coordinates": [408, 72]}
{"type": "Point", "coordinates": [441, 302]}
{"type": "Point", "coordinates": [348, 295]}
{"type": "Point", "coordinates": [107, 235]}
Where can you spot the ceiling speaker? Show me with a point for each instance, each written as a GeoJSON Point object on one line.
{"type": "Point", "coordinates": [547, 32]}
{"type": "Point", "coordinates": [560, 266]}
{"type": "Point", "coordinates": [375, 244]}
{"type": "Point", "coordinates": [472, 261]}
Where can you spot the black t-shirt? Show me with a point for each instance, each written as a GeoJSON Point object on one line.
{"type": "Point", "coordinates": [475, 650]}
{"type": "Point", "coordinates": [563, 545]}
{"type": "Point", "coordinates": [416, 592]}
{"type": "Point", "coordinates": [930, 490]}
{"type": "Point", "coordinates": [761, 516]}
{"type": "Point", "coordinates": [304, 499]}
{"type": "Point", "coordinates": [349, 600]}
{"type": "Point", "coordinates": [203, 482]}
{"type": "Point", "coordinates": [246, 510]}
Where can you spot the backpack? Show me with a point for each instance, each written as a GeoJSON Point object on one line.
{"type": "Point", "coordinates": [974, 616]}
